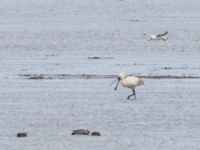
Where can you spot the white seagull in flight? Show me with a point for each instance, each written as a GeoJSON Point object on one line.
{"type": "Point", "coordinates": [161, 36]}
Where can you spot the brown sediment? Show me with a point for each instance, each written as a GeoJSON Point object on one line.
{"type": "Point", "coordinates": [90, 76]}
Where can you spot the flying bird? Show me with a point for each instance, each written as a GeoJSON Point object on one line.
{"type": "Point", "coordinates": [161, 36]}
{"type": "Point", "coordinates": [129, 82]}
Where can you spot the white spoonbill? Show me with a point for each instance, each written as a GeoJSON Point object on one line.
{"type": "Point", "coordinates": [161, 36]}
{"type": "Point", "coordinates": [129, 82]}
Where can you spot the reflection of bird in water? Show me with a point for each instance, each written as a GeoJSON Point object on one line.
{"type": "Point", "coordinates": [161, 36]}
{"type": "Point", "coordinates": [129, 82]}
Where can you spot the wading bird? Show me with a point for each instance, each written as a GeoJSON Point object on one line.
{"type": "Point", "coordinates": [161, 36]}
{"type": "Point", "coordinates": [129, 82]}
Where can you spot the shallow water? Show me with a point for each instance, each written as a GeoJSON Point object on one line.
{"type": "Point", "coordinates": [56, 38]}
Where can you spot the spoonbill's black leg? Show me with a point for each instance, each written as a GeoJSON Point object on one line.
{"type": "Point", "coordinates": [132, 94]}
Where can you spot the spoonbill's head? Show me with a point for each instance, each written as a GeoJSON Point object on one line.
{"type": "Point", "coordinates": [120, 76]}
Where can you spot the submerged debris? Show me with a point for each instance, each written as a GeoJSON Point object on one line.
{"type": "Point", "coordinates": [167, 68]}
{"type": "Point", "coordinates": [134, 20]}
{"type": "Point", "coordinates": [85, 132]}
{"type": "Point", "coordinates": [22, 134]}
{"type": "Point", "coordinates": [80, 131]}
{"type": "Point", "coordinates": [96, 57]}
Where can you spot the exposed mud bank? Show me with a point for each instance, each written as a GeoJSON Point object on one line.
{"type": "Point", "coordinates": [90, 76]}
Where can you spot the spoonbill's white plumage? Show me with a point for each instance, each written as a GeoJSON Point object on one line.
{"type": "Point", "coordinates": [129, 82]}
{"type": "Point", "coordinates": [161, 36]}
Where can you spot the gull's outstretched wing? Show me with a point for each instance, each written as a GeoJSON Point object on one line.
{"type": "Point", "coordinates": [146, 34]}
{"type": "Point", "coordinates": [162, 34]}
